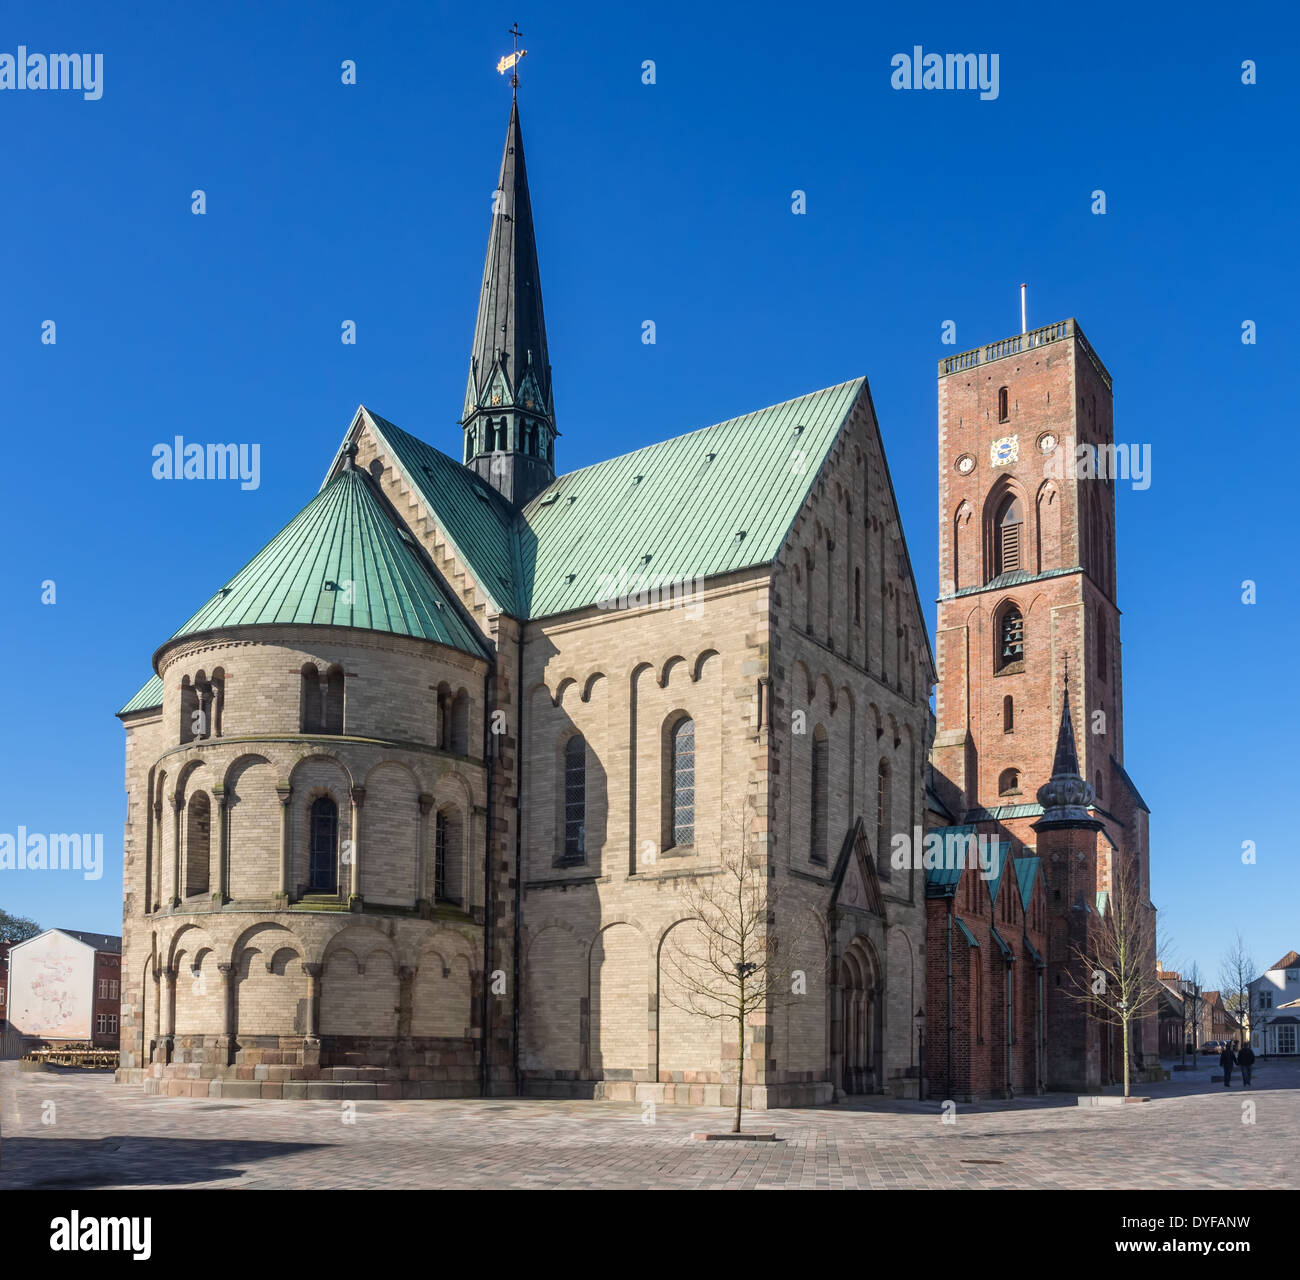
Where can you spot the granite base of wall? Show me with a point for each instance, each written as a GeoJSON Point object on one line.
{"type": "Point", "coordinates": [756, 1097]}
{"type": "Point", "coordinates": [290, 1067]}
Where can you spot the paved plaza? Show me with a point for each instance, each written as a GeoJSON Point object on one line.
{"type": "Point", "coordinates": [68, 1129]}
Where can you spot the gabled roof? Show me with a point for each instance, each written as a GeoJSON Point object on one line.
{"type": "Point", "coordinates": [96, 941]}
{"type": "Point", "coordinates": [100, 941]}
{"type": "Point", "coordinates": [1289, 961]}
{"type": "Point", "coordinates": [1001, 856]}
{"type": "Point", "coordinates": [942, 881]}
{"type": "Point", "coordinates": [854, 881]}
{"type": "Point", "coordinates": [1128, 782]}
{"type": "Point", "coordinates": [477, 522]}
{"type": "Point", "coordinates": [341, 561]}
{"type": "Point", "coordinates": [1026, 874]}
{"type": "Point", "coordinates": [935, 805]}
{"type": "Point", "coordinates": [710, 502]}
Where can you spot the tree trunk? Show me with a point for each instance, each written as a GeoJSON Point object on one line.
{"type": "Point", "coordinates": [1124, 1024]}
{"type": "Point", "coordinates": [740, 1064]}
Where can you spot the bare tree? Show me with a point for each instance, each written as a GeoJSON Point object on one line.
{"type": "Point", "coordinates": [739, 966]}
{"type": "Point", "coordinates": [1236, 973]}
{"type": "Point", "coordinates": [1193, 986]}
{"type": "Point", "coordinates": [1118, 982]}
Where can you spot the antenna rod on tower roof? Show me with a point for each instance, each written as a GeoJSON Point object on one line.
{"type": "Point", "coordinates": [1024, 327]}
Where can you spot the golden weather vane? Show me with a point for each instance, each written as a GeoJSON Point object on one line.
{"type": "Point", "coordinates": [511, 61]}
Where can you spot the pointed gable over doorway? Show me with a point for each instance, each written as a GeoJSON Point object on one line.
{"type": "Point", "coordinates": [856, 887]}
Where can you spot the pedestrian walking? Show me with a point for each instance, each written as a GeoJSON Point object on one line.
{"type": "Point", "coordinates": [1227, 1060]}
{"type": "Point", "coordinates": [1246, 1060]}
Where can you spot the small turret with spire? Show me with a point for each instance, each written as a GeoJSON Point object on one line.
{"type": "Point", "coordinates": [509, 414]}
{"type": "Point", "coordinates": [1067, 795]}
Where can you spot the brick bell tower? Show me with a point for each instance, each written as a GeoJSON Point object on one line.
{"type": "Point", "coordinates": [1027, 587]}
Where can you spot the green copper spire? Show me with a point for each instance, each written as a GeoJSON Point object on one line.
{"type": "Point", "coordinates": [509, 415]}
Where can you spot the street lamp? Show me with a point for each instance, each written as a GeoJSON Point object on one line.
{"type": "Point", "coordinates": [919, 1019]}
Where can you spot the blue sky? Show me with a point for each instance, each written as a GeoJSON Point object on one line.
{"type": "Point", "coordinates": [669, 202]}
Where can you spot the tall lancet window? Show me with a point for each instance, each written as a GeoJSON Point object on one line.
{"type": "Point", "coordinates": [681, 777]}
{"type": "Point", "coordinates": [1007, 537]}
{"type": "Point", "coordinates": [324, 864]}
{"type": "Point", "coordinates": [575, 799]}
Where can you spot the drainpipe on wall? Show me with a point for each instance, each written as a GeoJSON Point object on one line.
{"type": "Point", "coordinates": [485, 1040]}
{"type": "Point", "coordinates": [519, 847]}
{"type": "Point", "coordinates": [1011, 1076]}
{"type": "Point", "coordinates": [949, 1081]}
{"type": "Point", "coordinates": [1038, 1037]}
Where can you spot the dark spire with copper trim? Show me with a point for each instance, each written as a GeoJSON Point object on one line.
{"type": "Point", "coordinates": [509, 415]}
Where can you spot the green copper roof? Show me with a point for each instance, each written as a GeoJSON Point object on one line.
{"type": "Point", "coordinates": [149, 697]}
{"type": "Point", "coordinates": [1001, 856]}
{"type": "Point", "coordinates": [1000, 813]}
{"type": "Point", "coordinates": [941, 881]}
{"type": "Point", "coordinates": [342, 536]}
{"type": "Point", "coordinates": [1026, 874]}
{"type": "Point", "coordinates": [719, 499]}
{"type": "Point", "coordinates": [476, 520]}
{"type": "Point", "coordinates": [711, 502]}
{"type": "Point", "coordinates": [970, 937]}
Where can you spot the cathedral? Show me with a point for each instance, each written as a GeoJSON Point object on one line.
{"type": "Point", "coordinates": [417, 798]}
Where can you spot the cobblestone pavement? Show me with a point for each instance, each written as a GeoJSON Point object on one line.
{"type": "Point", "coordinates": [80, 1130]}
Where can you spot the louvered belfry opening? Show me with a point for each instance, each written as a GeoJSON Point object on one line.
{"type": "Point", "coordinates": [1008, 537]}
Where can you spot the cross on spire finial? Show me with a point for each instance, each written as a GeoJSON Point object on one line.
{"type": "Point", "coordinates": [514, 70]}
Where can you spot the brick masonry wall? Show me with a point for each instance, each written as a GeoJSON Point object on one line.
{"type": "Point", "coordinates": [1069, 620]}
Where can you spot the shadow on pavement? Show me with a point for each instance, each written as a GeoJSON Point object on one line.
{"type": "Point", "coordinates": [80, 1163]}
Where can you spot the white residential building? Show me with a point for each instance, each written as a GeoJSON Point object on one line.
{"type": "Point", "coordinates": [1275, 1008]}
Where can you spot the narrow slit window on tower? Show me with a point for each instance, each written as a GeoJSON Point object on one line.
{"type": "Point", "coordinates": [1008, 537]}
{"type": "Point", "coordinates": [1002, 404]}
{"type": "Point", "coordinates": [1008, 714]}
{"type": "Point", "coordinates": [857, 596]}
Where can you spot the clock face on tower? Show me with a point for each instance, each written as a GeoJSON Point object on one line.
{"type": "Point", "coordinates": [1047, 442]}
{"type": "Point", "coordinates": [1003, 451]}
{"type": "Point", "coordinates": [965, 464]}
